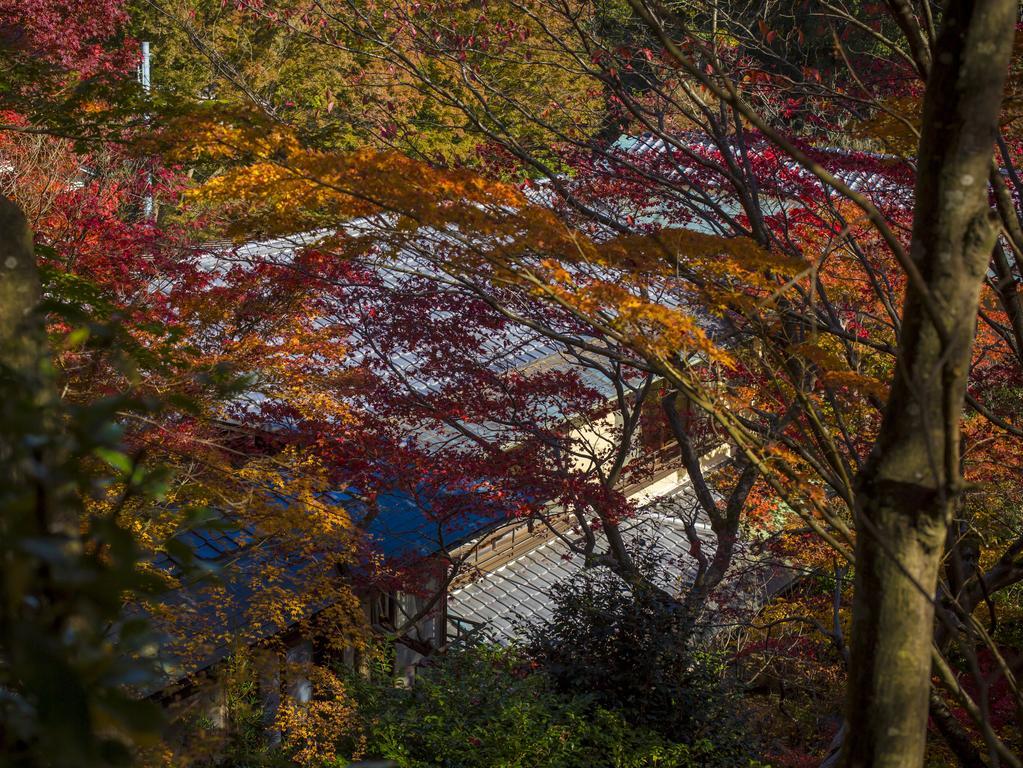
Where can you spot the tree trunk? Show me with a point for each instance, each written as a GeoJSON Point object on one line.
{"type": "Point", "coordinates": [25, 364]}
{"type": "Point", "coordinates": [22, 336]}
{"type": "Point", "coordinates": [907, 488]}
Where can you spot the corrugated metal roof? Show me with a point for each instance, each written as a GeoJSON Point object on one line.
{"type": "Point", "coordinates": [519, 590]}
{"type": "Point", "coordinates": [843, 164]}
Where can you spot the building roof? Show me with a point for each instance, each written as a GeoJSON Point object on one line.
{"type": "Point", "coordinates": [887, 177]}
{"type": "Point", "coordinates": [419, 522]}
{"type": "Point", "coordinates": [497, 602]}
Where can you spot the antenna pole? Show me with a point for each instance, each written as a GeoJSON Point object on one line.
{"type": "Point", "coordinates": [145, 80]}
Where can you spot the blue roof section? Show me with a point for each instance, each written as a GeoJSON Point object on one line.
{"type": "Point", "coordinates": [208, 543]}
{"type": "Point", "coordinates": [215, 618]}
{"type": "Point", "coordinates": [402, 524]}
{"type": "Point", "coordinates": [417, 523]}
{"type": "Point", "coordinates": [405, 525]}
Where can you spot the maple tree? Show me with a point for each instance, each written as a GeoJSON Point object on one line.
{"type": "Point", "coordinates": [250, 54]}
{"type": "Point", "coordinates": [151, 351]}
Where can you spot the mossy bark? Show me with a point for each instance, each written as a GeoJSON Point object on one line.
{"type": "Point", "coordinates": [26, 370]}
{"type": "Point", "coordinates": [22, 336]}
{"type": "Point", "coordinates": [907, 489]}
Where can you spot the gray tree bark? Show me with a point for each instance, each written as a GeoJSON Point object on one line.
{"type": "Point", "coordinates": [907, 489]}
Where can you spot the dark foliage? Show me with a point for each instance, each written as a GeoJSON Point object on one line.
{"type": "Point", "coordinates": [634, 651]}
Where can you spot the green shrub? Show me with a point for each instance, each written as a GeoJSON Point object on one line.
{"type": "Point", "coordinates": [635, 652]}
{"type": "Point", "coordinates": [487, 707]}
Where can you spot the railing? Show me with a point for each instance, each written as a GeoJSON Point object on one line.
{"type": "Point", "coordinates": [507, 543]}
{"type": "Point", "coordinates": [511, 540]}
{"type": "Point", "coordinates": [653, 465]}
{"type": "Point", "coordinates": [460, 629]}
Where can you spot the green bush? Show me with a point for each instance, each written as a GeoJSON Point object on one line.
{"type": "Point", "coordinates": [635, 652]}
{"type": "Point", "coordinates": [487, 707]}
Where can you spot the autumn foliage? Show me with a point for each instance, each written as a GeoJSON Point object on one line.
{"type": "Point", "coordinates": [425, 251]}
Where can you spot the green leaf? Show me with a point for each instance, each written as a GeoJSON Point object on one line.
{"type": "Point", "coordinates": [76, 338]}
{"type": "Point", "coordinates": [119, 461]}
